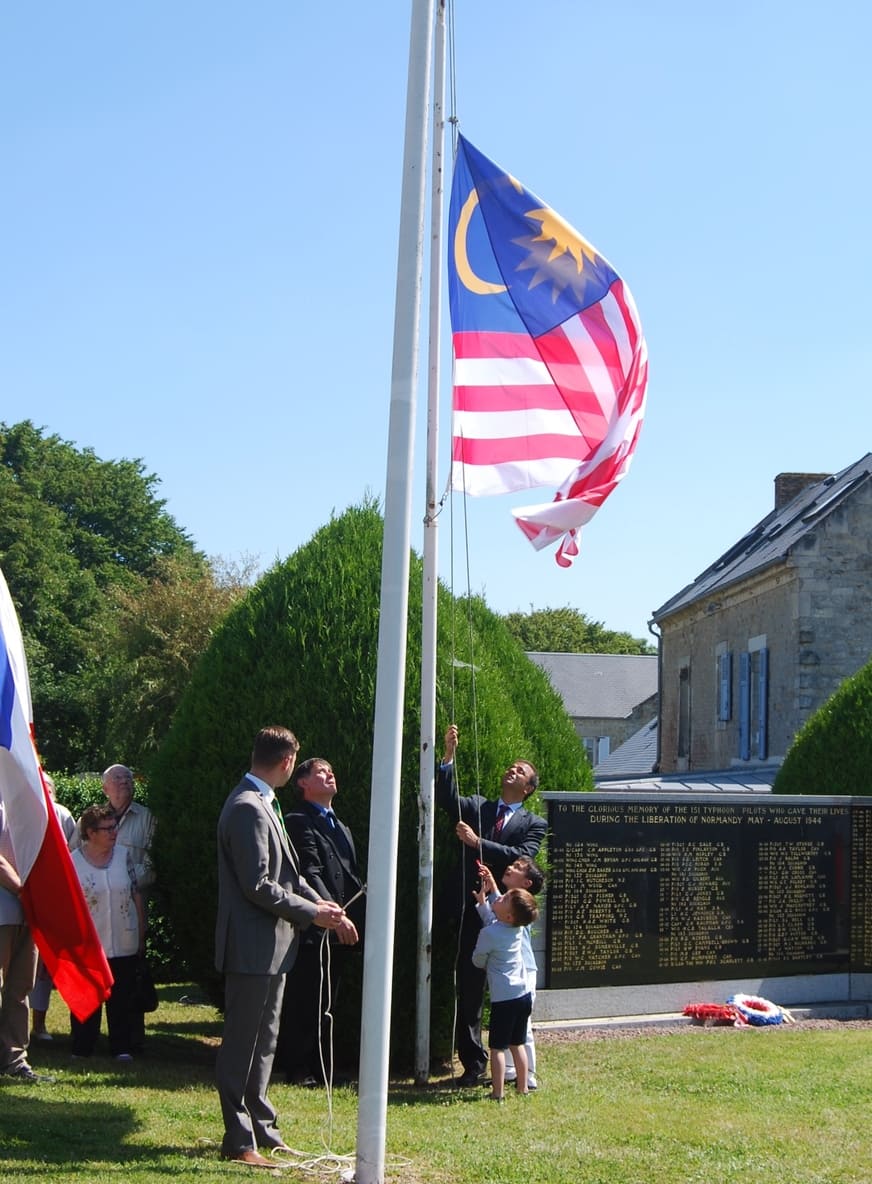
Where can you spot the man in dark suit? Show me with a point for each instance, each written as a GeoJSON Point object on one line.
{"type": "Point", "coordinates": [497, 833]}
{"type": "Point", "coordinates": [329, 862]}
{"type": "Point", "coordinates": [263, 903]}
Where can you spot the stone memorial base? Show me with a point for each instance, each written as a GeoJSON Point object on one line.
{"type": "Point", "coordinates": [587, 1003]}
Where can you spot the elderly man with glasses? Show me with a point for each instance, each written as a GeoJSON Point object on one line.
{"type": "Point", "coordinates": [136, 823]}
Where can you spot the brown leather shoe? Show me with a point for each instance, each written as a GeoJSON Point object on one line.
{"type": "Point", "coordinates": [253, 1159]}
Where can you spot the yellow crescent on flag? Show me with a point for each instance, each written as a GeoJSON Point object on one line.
{"type": "Point", "coordinates": [461, 259]}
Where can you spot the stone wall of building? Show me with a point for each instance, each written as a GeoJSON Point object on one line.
{"type": "Point", "coordinates": [756, 614]}
{"type": "Point", "coordinates": [834, 607]}
{"type": "Point", "coordinates": [811, 612]}
{"type": "Point", "coordinates": [617, 730]}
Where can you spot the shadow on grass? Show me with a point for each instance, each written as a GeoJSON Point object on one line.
{"type": "Point", "coordinates": [441, 1092]}
{"type": "Point", "coordinates": [62, 1132]}
{"type": "Point", "coordinates": [178, 1052]}
{"type": "Point", "coordinates": [171, 1060]}
{"type": "Point", "coordinates": [181, 1041]}
{"type": "Point", "coordinates": [208, 1031]}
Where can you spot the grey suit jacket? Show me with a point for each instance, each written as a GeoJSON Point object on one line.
{"type": "Point", "coordinates": [263, 900]}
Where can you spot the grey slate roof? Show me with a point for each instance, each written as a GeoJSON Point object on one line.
{"type": "Point", "coordinates": [738, 780]}
{"type": "Point", "coordinates": [772, 538]}
{"type": "Point", "coordinates": [600, 685]}
{"type": "Point", "coordinates": [636, 757]}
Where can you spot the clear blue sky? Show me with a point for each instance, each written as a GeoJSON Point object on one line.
{"type": "Point", "coordinates": [200, 207]}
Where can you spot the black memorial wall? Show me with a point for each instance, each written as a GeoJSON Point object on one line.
{"type": "Point", "coordinates": [666, 889]}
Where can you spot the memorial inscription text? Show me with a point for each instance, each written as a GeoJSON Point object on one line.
{"type": "Point", "coordinates": [645, 891]}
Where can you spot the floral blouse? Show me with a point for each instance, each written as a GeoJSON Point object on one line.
{"type": "Point", "coordinates": [109, 892]}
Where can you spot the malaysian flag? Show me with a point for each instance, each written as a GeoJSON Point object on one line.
{"type": "Point", "coordinates": [51, 895]}
{"type": "Point", "coordinates": [550, 365]}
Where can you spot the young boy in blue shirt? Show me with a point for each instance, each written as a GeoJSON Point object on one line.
{"type": "Point", "coordinates": [522, 873]}
{"type": "Point", "coordinates": [499, 953]}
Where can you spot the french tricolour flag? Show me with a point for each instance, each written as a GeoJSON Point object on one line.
{"type": "Point", "coordinates": [51, 894]}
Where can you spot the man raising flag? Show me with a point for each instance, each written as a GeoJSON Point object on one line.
{"type": "Point", "coordinates": [37, 877]}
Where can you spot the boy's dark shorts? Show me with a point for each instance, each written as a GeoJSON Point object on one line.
{"type": "Point", "coordinates": [508, 1022]}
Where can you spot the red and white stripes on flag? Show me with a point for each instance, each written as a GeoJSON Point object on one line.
{"type": "Point", "coordinates": [551, 365]}
{"type": "Point", "coordinates": [51, 895]}
{"type": "Point", "coordinates": [614, 365]}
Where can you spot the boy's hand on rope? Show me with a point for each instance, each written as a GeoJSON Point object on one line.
{"type": "Point", "coordinates": [467, 835]}
{"type": "Point", "coordinates": [488, 883]}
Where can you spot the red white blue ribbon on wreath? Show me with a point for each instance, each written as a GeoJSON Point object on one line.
{"type": "Point", "coordinates": [759, 1012]}
{"type": "Point", "coordinates": [740, 1011]}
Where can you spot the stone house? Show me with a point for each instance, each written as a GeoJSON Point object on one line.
{"type": "Point", "coordinates": [754, 645]}
{"type": "Point", "coordinates": [607, 696]}
{"type": "Point", "coordinates": [636, 757]}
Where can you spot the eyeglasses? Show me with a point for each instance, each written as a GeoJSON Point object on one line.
{"type": "Point", "coordinates": [111, 826]}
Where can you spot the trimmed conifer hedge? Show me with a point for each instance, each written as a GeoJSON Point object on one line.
{"type": "Point", "coordinates": [832, 752]}
{"type": "Point", "coordinates": [300, 650]}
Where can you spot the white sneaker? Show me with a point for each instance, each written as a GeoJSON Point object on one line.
{"type": "Point", "coordinates": [510, 1078]}
{"type": "Point", "coordinates": [532, 1083]}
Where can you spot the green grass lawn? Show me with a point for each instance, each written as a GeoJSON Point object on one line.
{"type": "Point", "coordinates": [784, 1105]}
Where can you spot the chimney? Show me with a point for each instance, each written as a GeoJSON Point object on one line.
{"type": "Point", "coordinates": [788, 485]}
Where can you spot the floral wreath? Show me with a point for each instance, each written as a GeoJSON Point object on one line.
{"type": "Point", "coordinates": [740, 1011]}
{"type": "Point", "coordinates": [758, 1012]}
{"type": "Point", "coordinates": [712, 1013]}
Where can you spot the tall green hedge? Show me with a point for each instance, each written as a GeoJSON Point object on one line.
{"type": "Point", "coordinates": [300, 650]}
{"type": "Point", "coordinates": [832, 752]}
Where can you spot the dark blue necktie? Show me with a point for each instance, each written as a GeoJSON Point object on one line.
{"type": "Point", "coordinates": [341, 840]}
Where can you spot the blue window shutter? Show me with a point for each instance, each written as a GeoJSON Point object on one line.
{"type": "Point", "coordinates": [763, 704]}
{"type": "Point", "coordinates": [744, 707]}
{"type": "Point", "coordinates": [725, 686]}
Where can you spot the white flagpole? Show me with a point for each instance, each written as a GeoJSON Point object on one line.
{"type": "Point", "coordinates": [391, 667]}
{"type": "Point", "coordinates": [431, 579]}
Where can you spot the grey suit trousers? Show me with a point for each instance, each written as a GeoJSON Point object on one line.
{"type": "Point", "coordinates": [252, 1007]}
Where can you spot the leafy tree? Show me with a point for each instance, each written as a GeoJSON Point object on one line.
{"type": "Point", "coordinates": [157, 630]}
{"type": "Point", "coordinates": [832, 752]}
{"type": "Point", "coordinates": [74, 528]}
{"type": "Point", "coordinates": [568, 631]}
{"type": "Point", "coordinates": [300, 649]}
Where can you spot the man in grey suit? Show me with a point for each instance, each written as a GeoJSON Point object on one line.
{"type": "Point", "coordinates": [263, 903]}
